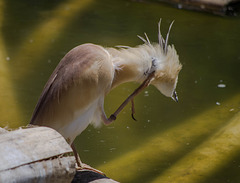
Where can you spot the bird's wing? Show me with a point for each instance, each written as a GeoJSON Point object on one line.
{"type": "Point", "coordinates": [43, 96]}
{"type": "Point", "coordinates": [73, 67]}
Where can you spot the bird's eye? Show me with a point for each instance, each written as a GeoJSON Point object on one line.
{"type": "Point", "coordinates": [154, 62]}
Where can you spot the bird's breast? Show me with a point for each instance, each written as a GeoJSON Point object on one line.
{"type": "Point", "coordinates": [80, 121]}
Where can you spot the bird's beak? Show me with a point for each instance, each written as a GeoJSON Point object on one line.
{"type": "Point", "coordinates": [174, 96]}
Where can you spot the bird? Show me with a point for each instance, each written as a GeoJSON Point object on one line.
{"type": "Point", "coordinates": [73, 96]}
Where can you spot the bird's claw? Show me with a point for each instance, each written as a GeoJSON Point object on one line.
{"type": "Point", "coordinates": [133, 110]}
{"type": "Point", "coordinates": [113, 117]}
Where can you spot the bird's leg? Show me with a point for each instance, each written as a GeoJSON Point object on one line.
{"type": "Point", "coordinates": [145, 83]}
{"type": "Point", "coordinates": [77, 157]}
{"type": "Point", "coordinates": [82, 166]}
{"type": "Point", "coordinates": [106, 121]}
{"type": "Point", "coordinates": [133, 110]}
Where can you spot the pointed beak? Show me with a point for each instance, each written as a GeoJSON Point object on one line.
{"type": "Point", "coordinates": [174, 96]}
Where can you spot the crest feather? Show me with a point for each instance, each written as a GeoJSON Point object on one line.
{"type": "Point", "coordinates": [163, 43]}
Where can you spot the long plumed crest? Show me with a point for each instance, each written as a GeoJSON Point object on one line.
{"type": "Point", "coordinates": [147, 38]}
{"type": "Point", "coordinates": [166, 42]}
{"type": "Point", "coordinates": [160, 38]}
{"type": "Point", "coordinates": [146, 41]}
{"type": "Point", "coordinates": [161, 41]}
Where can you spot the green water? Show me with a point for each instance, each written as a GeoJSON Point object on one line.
{"type": "Point", "coordinates": [35, 35]}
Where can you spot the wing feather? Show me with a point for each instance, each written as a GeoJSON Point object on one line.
{"type": "Point", "coordinates": [70, 71]}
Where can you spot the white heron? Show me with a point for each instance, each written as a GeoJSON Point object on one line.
{"type": "Point", "coordinates": [73, 97]}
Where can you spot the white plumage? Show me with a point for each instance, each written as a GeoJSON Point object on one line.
{"type": "Point", "coordinates": [74, 94]}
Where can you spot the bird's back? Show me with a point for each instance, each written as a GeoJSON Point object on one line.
{"type": "Point", "coordinates": [73, 94]}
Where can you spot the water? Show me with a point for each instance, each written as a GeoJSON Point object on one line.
{"type": "Point", "coordinates": [167, 136]}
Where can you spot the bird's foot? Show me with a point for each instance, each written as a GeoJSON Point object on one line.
{"type": "Point", "coordinates": [85, 167]}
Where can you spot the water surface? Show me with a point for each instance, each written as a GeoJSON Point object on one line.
{"type": "Point", "coordinates": [36, 35]}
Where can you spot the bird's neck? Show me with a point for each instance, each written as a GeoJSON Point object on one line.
{"type": "Point", "coordinates": [132, 64]}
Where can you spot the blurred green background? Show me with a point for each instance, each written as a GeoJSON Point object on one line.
{"type": "Point", "coordinates": [195, 140]}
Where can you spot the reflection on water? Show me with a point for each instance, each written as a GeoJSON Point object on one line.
{"type": "Point", "coordinates": [168, 136]}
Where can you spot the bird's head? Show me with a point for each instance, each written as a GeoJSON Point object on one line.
{"type": "Point", "coordinates": [165, 64]}
{"type": "Point", "coordinates": [166, 73]}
